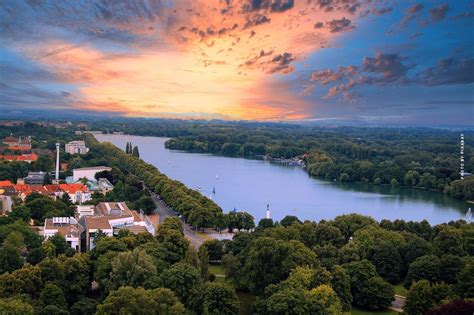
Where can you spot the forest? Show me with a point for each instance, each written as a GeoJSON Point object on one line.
{"type": "Point", "coordinates": [288, 267]}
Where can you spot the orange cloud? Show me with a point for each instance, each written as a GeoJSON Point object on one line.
{"type": "Point", "coordinates": [195, 60]}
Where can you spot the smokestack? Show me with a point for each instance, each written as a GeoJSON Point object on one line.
{"type": "Point", "coordinates": [57, 161]}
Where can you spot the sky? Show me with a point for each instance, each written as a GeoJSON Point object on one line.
{"type": "Point", "coordinates": [381, 62]}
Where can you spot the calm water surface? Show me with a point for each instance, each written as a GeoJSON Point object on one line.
{"type": "Point", "coordinates": [250, 184]}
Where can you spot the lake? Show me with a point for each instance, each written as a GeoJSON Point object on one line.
{"type": "Point", "coordinates": [249, 185]}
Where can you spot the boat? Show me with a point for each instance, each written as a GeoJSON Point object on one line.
{"type": "Point", "coordinates": [214, 190]}
{"type": "Point", "coordinates": [217, 177]}
{"type": "Point", "coordinates": [199, 188]}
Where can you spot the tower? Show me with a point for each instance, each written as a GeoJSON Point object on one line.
{"type": "Point", "coordinates": [57, 163]}
{"type": "Point", "coordinates": [267, 215]}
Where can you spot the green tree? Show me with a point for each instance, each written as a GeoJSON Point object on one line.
{"type": "Point", "coordinates": [10, 259]}
{"type": "Point", "coordinates": [419, 298]}
{"type": "Point", "coordinates": [377, 294]}
{"type": "Point", "coordinates": [175, 244]}
{"type": "Point", "coordinates": [131, 269]}
{"type": "Point", "coordinates": [387, 262]}
{"type": "Point", "coordinates": [15, 306]}
{"type": "Point", "coordinates": [173, 223]}
{"type": "Point", "coordinates": [146, 204]}
{"type": "Point", "coordinates": [220, 298]}
{"type": "Point", "coordinates": [289, 301]}
{"type": "Point", "coordinates": [425, 267]}
{"type": "Point", "coordinates": [35, 256]}
{"type": "Point", "coordinates": [85, 306]}
{"type": "Point", "coordinates": [341, 283]}
{"type": "Point", "coordinates": [215, 249]}
{"type": "Point", "coordinates": [449, 241]}
{"type": "Point", "coordinates": [265, 223]}
{"type": "Point", "coordinates": [167, 302]}
{"type": "Point", "coordinates": [270, 261]}
{"type": "Point", "coordinates": [465, 278]}
{"type": "Point", "coordinates": [288, 220]}
{"type": "Point", "coordinates": [326, 234]}
{"type": "Point", "coordinates": [182, 279]}
{"type": "Point", "coordinates": [127, 300]}
{"type": "Point", "coordinates": [323, 300]}
{"type": "Point", "coordinates": [53, 295]}
{"type": "Point", "coordinates": [204, 263]}
{"type": "Point", "coordinates": [52, 310]}
{"type": "Point", "coordinates": [60, 243]}
{"type": "Point", "coordinates": [135, 152]}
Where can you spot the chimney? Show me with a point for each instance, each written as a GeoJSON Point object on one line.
{"type": "Point", "coordinates": [57, 162]}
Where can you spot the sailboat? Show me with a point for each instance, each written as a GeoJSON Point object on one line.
{"type": "Point", "coordinates": [217, 177]}
{"type": "Point", "coordinates": [214, 190]}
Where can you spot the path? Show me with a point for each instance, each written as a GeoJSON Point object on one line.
{"type": "Point", "coordinates": [398, 304]}
{"type": "Point", "coordinates": [164, 211]}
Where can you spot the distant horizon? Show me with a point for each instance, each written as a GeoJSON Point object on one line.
{"type": "Point", "coordinates": [81, 116]}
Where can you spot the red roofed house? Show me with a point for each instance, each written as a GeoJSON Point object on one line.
{"type": "Point", "coordinates": [28, 158]}
{"type": "Point", "coordinates": [18, 142]}
{"type": "Point", "coordinates": [78, 193]}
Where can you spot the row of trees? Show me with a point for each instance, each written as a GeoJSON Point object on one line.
{"type": "Point", "coordinates": [133, 150]}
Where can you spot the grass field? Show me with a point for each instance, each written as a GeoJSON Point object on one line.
{"type": "Point", "coordinates": [400, 290]}
{"type": "Point", "coordinates": [218, 271]}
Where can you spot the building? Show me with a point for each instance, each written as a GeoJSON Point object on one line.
{"type": "Point", "coordinates": [102, 185]}
{"type": "Point", "coordinates": [13, 142]}
{"type": "Point", "coordinates": [88, 172]}
{"type": "Point", "coordinates": [35, 178]}
{"type": "Point", "coordinates": [105, 186]}
{"type": "Point", "coordinates": [28, 158]}
{"type": "Point", "coordinates": [76, 147]}
{"type": "Point", "coordinates": [110, 218]}
{"type": "Point", "coordinates": [6, 203]}
{"type": "Point", "coordinates": [67, 227]}
{"type": "Point", "coordinates": [78, 193]}
{"type": "Point", "coordinates": [84, 210]}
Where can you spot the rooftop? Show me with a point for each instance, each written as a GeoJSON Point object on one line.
{"type": "Point", "coordinates": [93, 168]}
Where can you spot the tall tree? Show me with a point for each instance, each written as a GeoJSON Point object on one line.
{"type": "Point", "coordinates": [135, 152]}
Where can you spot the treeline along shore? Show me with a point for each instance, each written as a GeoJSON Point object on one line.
{"type": "Point", "coordinates": [408, 157]}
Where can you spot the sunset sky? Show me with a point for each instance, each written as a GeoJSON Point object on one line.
{"type": "Point", "coordinates": [312, 60]}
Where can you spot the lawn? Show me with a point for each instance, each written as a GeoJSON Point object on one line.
{"type": "Point", "coordinates": [400, 290]}
{"type": "Point", "coordinates": [360, 311]}
{"type": "Point", "coordinates": [218, 271]}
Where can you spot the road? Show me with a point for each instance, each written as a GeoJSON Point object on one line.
{"type": "Point", "coordinates": [398, 304]}
{"type": "Point", "coordinates": [163, 211]}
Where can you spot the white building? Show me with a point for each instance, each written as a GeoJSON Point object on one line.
{"type": "Point", "coordinates": [76, 147]}
{"type": "Point", "coordinates": [5, 204]}
{"type": "Point", "coordinates": [88, 172]}
{"type": "Point", "coordinates": [67, 227]}
{"type": "Point", "coordinates": [84, 210]}
{"type": "Point", "coordinates": [110, 218]}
